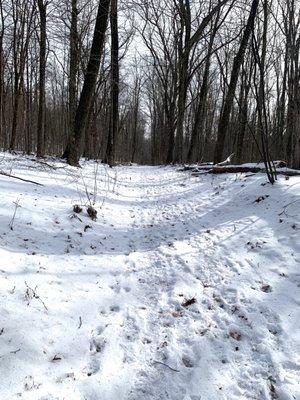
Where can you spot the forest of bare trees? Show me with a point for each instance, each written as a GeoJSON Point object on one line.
{"type": "Point", "coordinates": [151, 81]}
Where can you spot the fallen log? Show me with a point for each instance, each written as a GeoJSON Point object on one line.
{"type": "Point", "coordinates": [194, 168]}
{"type": "Point", "coordinates": [236, 169]}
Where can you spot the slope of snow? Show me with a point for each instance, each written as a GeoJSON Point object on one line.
{"type": "Point", "coordinates": [184, 288]}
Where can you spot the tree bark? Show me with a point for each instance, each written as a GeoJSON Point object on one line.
{"type": "Point", "coordinates": [135, 118]}
{"type": "Point", "coordinates": [73, 74]}
{"type": "Point", "coordinates": [227, 107]}
{"type": "Point", "coordinates": [186, 44]}
{"type": "Point", "coordinates": [114, 86]}
{"type": "Point", "coordinates": [42, 6]}
{"type": "Point", "coordinates": [89, 84]}
{"type": "Point", "coordinates": [1, 87]}
{"type": "Point", "coordinates": [200, 110]}
{"type": "Point", "coordinates": [243, 118]}
{"type": "Point", "coordinates": [183, 76]}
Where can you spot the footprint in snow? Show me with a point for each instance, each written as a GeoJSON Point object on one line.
{"type": "Point", "coordinates": [114, 308]}
{"type": "Point", "coordinates": [97, 345]}
{"type": "Point", "coordinates": [98, 341]}
{"type": "Point", "coordinates": [188, 363]}
{"type": "Point", "coordinates": [116, 288]}
{"type": "Point", "coordinates": [93, 367]}
{"type": "Point", "coordinates": [132, 329]}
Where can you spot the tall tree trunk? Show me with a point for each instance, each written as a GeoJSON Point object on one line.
{"type": "Point", "coordinates": [1, 75]}
{"type": "Point", "coordinates": [42, 6]}
{"type": "Point", "coordinates": [170, 130]}
{"type": "Point", "coordinates": [16, 103]}
{"type": "Point", "coordinates": [29, 96]}
{"type": "Point", "coordinates": [136, 105]}
{"type": "Point", "coordinates": [1, 90]}
{"type": "Point", "coordinates": [263, 126]}
{"type": "Point", "coordinates": [186, 44]}
{"type": "Point", "coordinates": [293, 111]}
{"type": "Point", "coordinates": [114, 89]}
{"type": "Point", "coordinates": [90, 80]}
{"type": "Point", "coordinates": [281, 111]}
{"type": "Point", "coordinates": [200, 110]}
{"type": "Point", "coordinates": [22, 31]}
{"type": "Point", "coordinates": [243, 118]}
{"type": "Point", "coordinates": [183, 75]}
{"type": "Point", "coordinates": [73, 74]}
{"type": "Point", "coordinates": [227, 107]}
{"type": "Point", "coordinates": [296, 156]}
{"type": "Point", "coordinates": [294, 134]}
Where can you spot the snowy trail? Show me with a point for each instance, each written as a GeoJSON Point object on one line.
{"type": "Point", "coordinates": [96, 310]}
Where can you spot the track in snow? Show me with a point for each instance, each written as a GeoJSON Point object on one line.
{"type": "Point", "coordinates": [116, 327]}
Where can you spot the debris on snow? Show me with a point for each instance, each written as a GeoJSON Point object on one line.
{"type": "Point", "coordinates": [92, 213]}
{"type": "Point", "coordinates": [77, 209]}
{"type": "Point", "coordinates": [189, 302]}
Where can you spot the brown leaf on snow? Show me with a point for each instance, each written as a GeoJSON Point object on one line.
{"type": "Point", "coordinates": [176, 314]}
{"type": "Point", "coordinates": [235, 335]}
{"type": "Point", "coordinates": [266, 288]}
{"type": "Point", "coordinates": [162, 345]}
{"type": "Point", "coordinates": [77, 209]}
{"type": "Point", "coordinates": [273, 392]}
{"type": "Point", "coordinates": [92, 213]}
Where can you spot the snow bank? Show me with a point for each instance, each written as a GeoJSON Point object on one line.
{"type": "Point", "coordinates": [185, 288]}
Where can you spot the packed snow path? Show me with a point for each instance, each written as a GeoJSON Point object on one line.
{"type": "Point", "coordinates": [183, 289]}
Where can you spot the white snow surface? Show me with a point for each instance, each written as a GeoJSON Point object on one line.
{"type": "Point", "coordinates": [95, 310]}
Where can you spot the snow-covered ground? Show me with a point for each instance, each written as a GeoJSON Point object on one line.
{"type": "Point", "coordinates": [185, 288]}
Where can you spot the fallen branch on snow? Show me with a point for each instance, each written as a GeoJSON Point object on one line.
{"type": "Point", "coordinates": [17, 205]}
{"type": "Point", "coordinates": [166, 365]}
{"type": "Point", "coordinates": [286, 206]}
{"type": "Point", "coordinates": [45, 164]}
{"type": "Point", "coordinates": [20, 179]}
{"type": "Point", "coordinates": [11, 352]}
{"type": "Point", "coordinates": [31, 294]}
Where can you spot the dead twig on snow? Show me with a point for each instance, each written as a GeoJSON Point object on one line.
{"type": "Point", "coordinates": [31, 294]}
{"type": "Point", "coordinates": [166, 365]}
{"type": "Point", "coordinates": [17, 205]}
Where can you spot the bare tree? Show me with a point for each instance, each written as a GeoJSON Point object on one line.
{"type": "Point", "coordinates": [238, 60]}
{"type": "Point", "coordinates": [42, 6]}
{"type": "Point", "coordinates": [114, 88]}
{"type": "Point", "coordinates": [89, 84]}
{"type": "Point", "coordinates": [23, 27]}
{"type": "Point", "coordinates": [190, 89]}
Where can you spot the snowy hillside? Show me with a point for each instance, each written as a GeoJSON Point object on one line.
{"type": "Point", "coordinates": [184, 288]}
